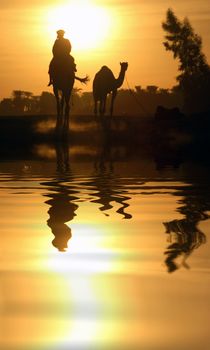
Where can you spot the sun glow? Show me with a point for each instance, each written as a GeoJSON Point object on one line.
{"type": "Point", "coordinates": [86, 24]}
{"type": "Point", "coordinates": [85, 252]}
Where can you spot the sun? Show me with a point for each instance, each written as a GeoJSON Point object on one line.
{"type": "Point", "coordinates": [86, 24]}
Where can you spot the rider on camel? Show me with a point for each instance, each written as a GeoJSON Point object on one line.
{"type": "Point", "coordinates": [61, 55]}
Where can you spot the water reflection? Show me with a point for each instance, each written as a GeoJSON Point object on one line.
{"type": "Point", "coordinates": [112, 192]}
{"type": "Point", "coordinates": [184, 235]}
{"type": "Point", "coordinates": [107, 183]}
{"type": "Point", "coordinates": [109, 193]}
{"type": "Point", "coordinates": [61, 199]}
{"type": "Point", "coordinates": [104, 184]}
{"type": "Point", "coordinates": [111, 287]}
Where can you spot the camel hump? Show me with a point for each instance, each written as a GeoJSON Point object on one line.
{"type": "Point", "coordinates": [106, 73]}
{"type": "Point", "coordinates": [103, 79]}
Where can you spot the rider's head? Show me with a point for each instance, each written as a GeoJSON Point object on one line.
{"type": "Point", "coordinates": [60, 33]}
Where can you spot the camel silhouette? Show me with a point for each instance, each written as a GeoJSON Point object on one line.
{"type": "Point", "coordinates": [105, 83]}
{"type": "Point", "coordinates": [63, 82]}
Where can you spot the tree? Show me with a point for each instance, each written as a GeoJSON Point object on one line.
{"type": "Point", "coordinates": [152, 89]}
{"type": "Point", "coordinates": [18, 101]}
{"type": "Point", "coordinates": [47, 103]}
{"type": "Point", "coordinates": [186, 45]}
{"type": "Point", "coordinates": [6, 106]}
{"type": "Point", "coordinates": [27, 101]}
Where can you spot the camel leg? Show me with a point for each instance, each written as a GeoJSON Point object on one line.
{"type": "Point", "coordinates": [62, 108]}
{"type": "Point", "coordinates": [62, 120]}
{"type": "Point", "coordinates": [58, 109]}
{"type": "Point", "coordinates": [104, 105]}
{"type": "Point", "coordinates": [114, 94]}
{"type": "Point", "coordinates": [57, 100]}
{"type": "Point", "coordinates": [101, 107]}
{"type": "Point", "coordinates": [95, 106]}
{"type": "Point", "coordinates": [67, 111]}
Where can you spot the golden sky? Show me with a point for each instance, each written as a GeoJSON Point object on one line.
{"type": "Point", "coordinates": [101, 32]}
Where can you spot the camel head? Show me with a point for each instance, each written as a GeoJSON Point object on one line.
{"type": "Point", "coordinates": [120, 79]}
{"type": "Point", "coordinates": [124, 66]}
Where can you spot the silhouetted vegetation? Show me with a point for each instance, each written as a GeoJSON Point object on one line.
{"type": "Point", "coordinates": [184, 235]}
{"type": "Point", "coordinates": [138, 101]}
{"type": "Point", "coordinates": [194, 77]}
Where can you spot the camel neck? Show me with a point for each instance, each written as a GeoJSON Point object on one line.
{"type": "Point", "coordinates": [120, 78]}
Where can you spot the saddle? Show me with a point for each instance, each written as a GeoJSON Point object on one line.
{"type": "Point", "coordinates": [62, 66]}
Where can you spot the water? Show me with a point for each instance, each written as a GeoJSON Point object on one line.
{"type": "Point", "coordinates": [104, 252]}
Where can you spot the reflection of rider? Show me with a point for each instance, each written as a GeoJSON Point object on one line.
{"type": "Point", "coordinates": [61, 211]}
{"type": "Point", "coordinates": [61, 55]}
{"type": "Point", "coordinates": [61, 199]}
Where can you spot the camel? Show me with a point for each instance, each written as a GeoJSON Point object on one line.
{"type": "Point", "coordinates": [105, 83]}
{"type": "Point", "coordinates": [63, 82]}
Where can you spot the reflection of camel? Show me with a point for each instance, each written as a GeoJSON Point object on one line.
{"type": "Point", "coordinates": [105, 83]}
{"type": "Point", "coordinates": [63, 82]}
{"type": "Point", "coordinates": [107, 185]}
{"type": "Point", "coordinates": [107, 195]}
{"type": "Point", "coordinates": [62, 157]}
{"type": "Point", "coordinates": [61, 199]}
{"type": "Point", "coordinates": [184, 234]}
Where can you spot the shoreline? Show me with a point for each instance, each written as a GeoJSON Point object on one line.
{"type": "Point", "coordinates": [165, 140]}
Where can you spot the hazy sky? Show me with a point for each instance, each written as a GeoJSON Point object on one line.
{"type": "Point", "coordinates": [101, 32]}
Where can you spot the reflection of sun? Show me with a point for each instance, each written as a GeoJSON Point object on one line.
{"type": "Point", "coordinates": [85, 253]}
{"type": "Point", "coordinates": [86, 25]}
{"type": "Point", "coordinates": [78, 265]}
